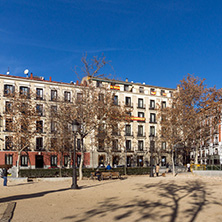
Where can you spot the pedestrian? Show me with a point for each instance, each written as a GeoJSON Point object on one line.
{"type": "Point", "coordinates": [4, 176]}
{"type": "Point", "coordinates": [98, 174]}
{"type": "Point", "coordinates": [188, 167]}
{"type": "Point", "coordinates": [157, 170]}
{"type": "Point", "coordinates": [167, 167]}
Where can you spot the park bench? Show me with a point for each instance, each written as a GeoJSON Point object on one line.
{"type": "Point", "coordinates": [115, 175]}
{"type": "Point", "coordinates": [106, 175]}
{"type": "Point", "coordinates": [92, 176]}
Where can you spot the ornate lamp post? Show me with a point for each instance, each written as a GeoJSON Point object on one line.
{"type": "Point", "coordinates": [75, 128]}
{"type": "Point", "coordinates": [151, 150]}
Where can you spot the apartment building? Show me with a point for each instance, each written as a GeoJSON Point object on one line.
{"type": "Point", "coordinates": [209, 153]}
{"type": "Point", "coordinates": [141, 133]}
{"type": "Point", "coordinates": [141, 100]}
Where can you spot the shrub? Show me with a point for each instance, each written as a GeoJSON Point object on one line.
{"type": "Point", "coordinates": [40, 173]}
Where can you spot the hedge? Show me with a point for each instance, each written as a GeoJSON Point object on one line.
{"type": "Point", "coordinates": [40, 173]}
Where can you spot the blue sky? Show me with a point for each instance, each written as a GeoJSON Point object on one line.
{"type": "Point", "coordinates": [152, 41]}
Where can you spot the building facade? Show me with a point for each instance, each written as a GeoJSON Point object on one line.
{"type": "Point", "coordinates": [142, 100]}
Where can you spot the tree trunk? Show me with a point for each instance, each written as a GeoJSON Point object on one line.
{"type": "Point", "coordinates": [60, 168]}
{"type": "Point", "coordinates": [17, 164]}
{"type": "Point", "coordinates": [81, 161]}
{"type": "Point", "coordinates": [196, 156]}
{"type": "Point", "coordinates": [28, 159]}
{"type": "Point", "coordinates": [173, 164]}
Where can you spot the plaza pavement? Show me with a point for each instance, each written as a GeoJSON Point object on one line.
{"type": "Point", "coordinates": [184, 198]}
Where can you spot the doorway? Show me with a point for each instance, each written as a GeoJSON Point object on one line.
{"type": "Point", "coordinates": [39, 161]}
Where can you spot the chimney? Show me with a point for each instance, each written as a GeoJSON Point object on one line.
{"type": "Point", "coordinates": [77, 82]}
{"type": "Point", "coordinates": [50, 78]}
{"type": "Point", "coordinates": [126, 79]}
{"type": "Point", "coordinates": [31, 76]}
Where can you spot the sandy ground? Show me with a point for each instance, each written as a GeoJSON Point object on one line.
{"type": "Point", "coordinates": [135, 198]}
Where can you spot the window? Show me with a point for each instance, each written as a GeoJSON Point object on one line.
{"type": "Point", "coordinates": [8, 159]}
{"type": "Point", "coordinates": [67, 96]}
{"type": "Point", "coordinates": [9, 90]}
{"type": "Point", "coordinates": [53, 126]}
{"type": "Point", "coordinates": [39, 109]}
{"type": "Point", "coordinates": [152, 130]}
{"type": "Point", "coordinates": [39, 143]}
{"type": "Point", "coordinates": [152, 118]}
{"type": "Point", "coordinates": [24, 91]}
{"type": "Point", "coordinates": [140, 145]}
{"type": "Point", "coordinates": [8, 143]}
{"type": "Point", "coordinates": [8, 124]}
{"type": "Point", "coordinates": [101, 98]}
{"type": "Point", "coordinates": [101, 144]}
{"type": "Point", "coordinates": [128, 130]}
{"type": "Point", "coordinates": [163, 104]}
{"type": "Point", "coordinates": [115, 144]}
{"type": "Point", "coordinates": [171, 93]}
{"type": "Point", "coordinates": [152, 104]}
{"type": "Point", "coordinates": [53, 161]}
{"type": "Point", "coordinates": [99, 84]}
{"type": "Point", "coordinates": [53, 95]}
{"type": "Point", "coordinates": [24, 160]}
{"type": "Point", "coordinates": [163, 145]}
{"type": "Point", "coordinates": [53, 110]}
{"type": "Point", "coordinates": [24, 126]}
{"type": "Point", "coordinates": [128, 101]}
{"type": "Point", "coordinates": [152, 91]}
{"type": "Point", "coordinates": [128, 145]}
{"type": "Point", "coordinates": [141, 114]}
{"type": "Point", "coordinates": [140, 103]}
{"type": "Point", "coordinates": [8, 107]}
{"type": "Point", "coordinates": [78, 144]}
{"type": "Point", "coordinates": [126, 87]}
{"type": "Point", "coordinates": [115, 130]}
{"type": "Point", "coordinates": [78, 160]}
{"type": "Point", "coordinates": [53, 143]}
{"type": "Point", "coordinates": [163, 93]}
{"type": "Point", "coordinates": [39, 126]}
{"type": "Point", "coordinates": [115, 100]}
{"type": "Point", "coordinates": [79, 97]}
{"type": "Point", "coordinates": [66, 161]}
{"type": "Point", "coordinates": [140, 130]}
{"type": "Point", "coordinates": [39, 94]}
{"type": "Point", "coordinates": [141, 89]}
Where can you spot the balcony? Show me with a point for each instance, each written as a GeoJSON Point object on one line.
{"type": "Point", "coordinates": [141, 135]}
{"type": "Point", "coordinates": [141, 106]}
{"type": "Point", "coordinates": [128, 134]}
{"type": "Point", "coordinates": [129, 105]}
{"type": "Point", "coordinates": [139, 119]}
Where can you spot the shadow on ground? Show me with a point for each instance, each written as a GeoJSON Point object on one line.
{"type": "Point", "coordinates": [172, 202]}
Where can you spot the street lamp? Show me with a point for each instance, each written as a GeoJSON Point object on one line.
{"type": "Point", "coordinates": [75, 128]}
{"type": "Point", "coordinates": [151, 157]}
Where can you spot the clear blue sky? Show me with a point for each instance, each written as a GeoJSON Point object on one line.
{"type": "Point", "coordinates": [152, 41]}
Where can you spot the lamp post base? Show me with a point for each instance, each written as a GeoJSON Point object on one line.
{"type": "Point", "coordinates": [74, 186]}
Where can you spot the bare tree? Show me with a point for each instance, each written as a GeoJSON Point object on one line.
{"type": "Point", "coordinates": [192, 116]}
{"type": "Point", "coordinates": [22, 122]}
{"type": "Point", "coordinates": [59, 134]}
{"type": "Point", "coordinates": [98, 116]}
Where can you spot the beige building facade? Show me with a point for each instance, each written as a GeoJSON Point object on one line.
{"type": "Point", "coordinates": [140, 134]}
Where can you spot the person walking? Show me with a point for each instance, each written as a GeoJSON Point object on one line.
{"type": "Point", "coordinates": [157, 170]}
{"type": "Point", "coordinates": [4, 176]}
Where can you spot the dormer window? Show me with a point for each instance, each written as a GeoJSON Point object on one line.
{"type": "Point", "coordinates": [152, 91]}
{"type": "Point", "coordinates": [141, 89]}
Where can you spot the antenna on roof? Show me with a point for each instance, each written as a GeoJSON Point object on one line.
{"type": "Point", "coordinates": [7, 73]}
{"type": "Point", "coordinates": [26, 72]}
